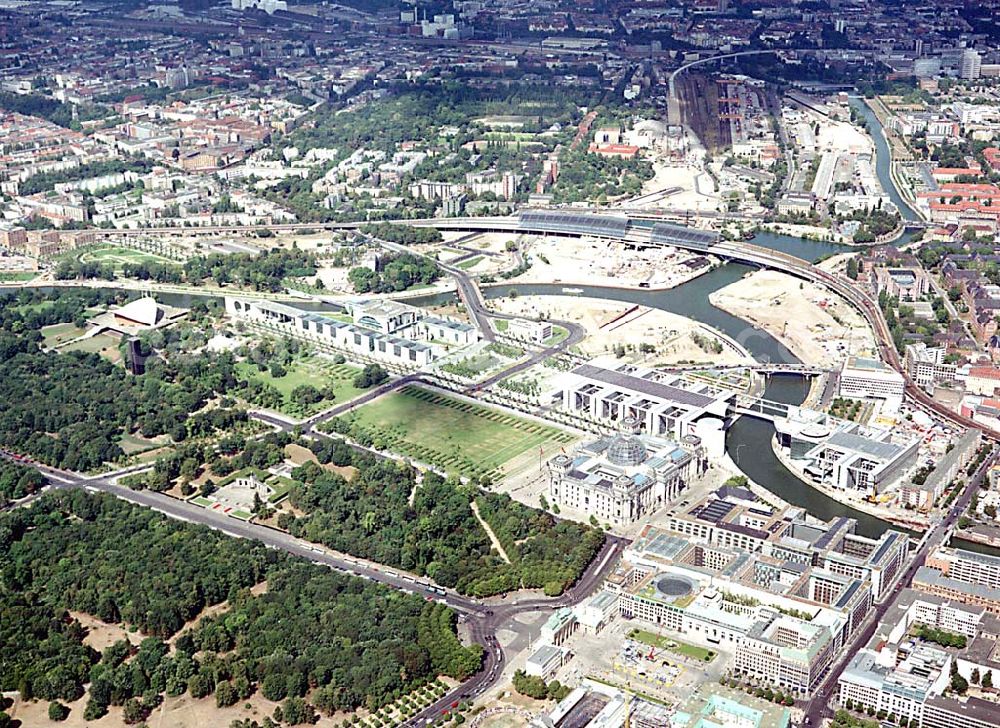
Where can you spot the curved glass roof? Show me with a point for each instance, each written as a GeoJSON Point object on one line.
{"type": "Point", "coordinates": [668, 233]}
{"type": "Point", "coordinates": [569, 221]}
{"type": "Point", "coordinates": [626, 451]}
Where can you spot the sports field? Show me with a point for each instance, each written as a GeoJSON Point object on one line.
{"type": "Point", "coordinates": [315, 370]}
{"type": "Point", "coordinates": [451, 433]}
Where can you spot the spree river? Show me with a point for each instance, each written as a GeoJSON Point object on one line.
{"type": "Point", "coordinates": [748, 441]}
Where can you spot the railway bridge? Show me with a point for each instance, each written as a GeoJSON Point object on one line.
{"type": "Point", "coordinates": [640, 231]}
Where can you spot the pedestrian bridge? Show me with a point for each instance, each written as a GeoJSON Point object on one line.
{"type": "Point", "coordinates": [762, 367]}
{"type": "Point", "coordinates": [762, 409]}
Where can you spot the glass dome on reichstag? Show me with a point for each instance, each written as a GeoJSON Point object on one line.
{"type": "Point", "coordinates": [626, 449]}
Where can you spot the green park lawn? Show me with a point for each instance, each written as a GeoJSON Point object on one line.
{"type": "Point", "coordinates": [57, 334]}
{"type": "Point", "coordinates": [118, 256]}
{"type": "Point", "coordinates": [314, 370]}
{"type": "Point", "coordinates": [16, 276]}
{"type": "Point", "coordinates": [673, 645]}
{"type": "Point", "coordinates": [559, 334]}
{"type": "Point", "coordinates": [450, 433]}
{"type": "Point", "coordinates": [103, 344]}
{"type": "Point", "coordinates": [134, 444]}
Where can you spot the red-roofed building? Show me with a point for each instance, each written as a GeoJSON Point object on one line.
{"type": "Point", "coordinates": [623, 151]}
{"type": "Point", "coordinates": [947, 174]}
{"type": "Point", "coordinates": [963, 203]}
{"type": "Point", "coordinates": [968, 190]}
{"type": "Point", "coordinates": [992, 155]}
{"type": "Point", "coordinates": [132, 101]}
{"type": "Point", "coordinates": [945, 211]}
{"type": "Point", "coordinates": [982, 380]}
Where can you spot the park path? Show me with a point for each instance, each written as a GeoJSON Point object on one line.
{"type": "Point", "coordinates": [417, 482]}
{"type": "Point", "coordinates": [489, 532]}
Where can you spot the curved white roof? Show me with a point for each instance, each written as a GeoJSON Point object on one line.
{"type": "Point", "coordinates": [143, 311]}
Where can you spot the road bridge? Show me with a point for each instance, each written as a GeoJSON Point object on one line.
{"type": "Point", "coordinates": [642, 232]}
{"type": "Point", "coordinates": [486, 621]}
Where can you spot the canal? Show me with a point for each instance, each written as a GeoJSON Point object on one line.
{"type": "Point", "coordinates": [883, 160]}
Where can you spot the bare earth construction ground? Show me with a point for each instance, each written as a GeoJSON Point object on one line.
{"type": "Point", "coordinates": [607, 327]}
{"type": "Point", "coordinates": [818, 327]}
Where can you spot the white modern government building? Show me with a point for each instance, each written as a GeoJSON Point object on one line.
{"type": "Point", "coordinates": [862, 378]}
{"type": "Point", "coordinates": [844, 454]}
{"type": "Point", "coordinates": [662, 405]}
{"type": "Point", "coordinates": [380, 330]}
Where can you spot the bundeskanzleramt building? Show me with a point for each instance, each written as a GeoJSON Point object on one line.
{"type": "Point", "coordinates": [410, 322]}
{"type": "Point", "coordinates": [330, 333]}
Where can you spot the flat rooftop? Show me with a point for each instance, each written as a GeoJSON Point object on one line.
{"type": "Point", "coordinates": [644, 386]}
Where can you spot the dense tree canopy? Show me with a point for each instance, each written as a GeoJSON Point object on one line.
{"type": "Point", "coordinates": [435, 532]}
{"type": "Point", "coordinates": [48, 180]}
{"type": "Point", "coordinates": [339, 641]}
{"type": "Point", "coordinates": [48, 108]}
{"type": "Point", "coordinates": [402, 234]}
{"type": "Point", "coordinates": [17, 481]}
{"type": "Point", "coordinates": [394, 273]}
{"type": "Point", "coordinates": [370, 376]}
{"type": "Point", "coordinates": [73, 408]}
{"type": "Point", "coordinates": [264, 272]}
{"type": "Point", "coordinates": [587, 176]}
